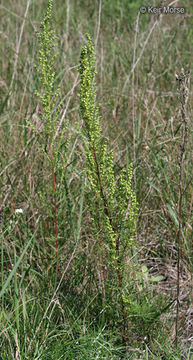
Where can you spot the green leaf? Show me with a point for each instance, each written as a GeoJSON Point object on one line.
{"type": "Point", "coordinates": [156, 278]}
{"type": "Point", "coordinates": [12, 273]}
{"type": "Point", "coordinates": [173, 215]}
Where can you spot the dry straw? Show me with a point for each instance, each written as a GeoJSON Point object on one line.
{"type": "Point", "coordinates": [183, 88]}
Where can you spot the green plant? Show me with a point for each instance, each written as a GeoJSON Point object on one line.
{"type": "Point", "coordinates": [48, 97]}
{"type": "Point", "coordinates": [51, 138]}
{"type": "Point", "coordinates": [44, 316]}
{"type": "Point", "coordinates": [113, 204]}
{"type": "Point", "coordinates": [145, 279]}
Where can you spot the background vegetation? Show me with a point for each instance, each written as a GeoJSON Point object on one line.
{"type": "Point", "coordinates": [52, 293]}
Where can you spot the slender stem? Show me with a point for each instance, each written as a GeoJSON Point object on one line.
{"type": "Point", "coordinates": [106, 211]}
{"type": "Point", "coordinates": [179, 241]}
{"type": "Point", "coordinates": [54, 197]}
{"type": "Point", "coordinates": [183, 80]}
{"type": "Point", "coordinates": [120, 279]}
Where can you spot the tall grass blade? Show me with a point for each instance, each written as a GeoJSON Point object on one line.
{"type": "Point", "coordinates": [12, 273]}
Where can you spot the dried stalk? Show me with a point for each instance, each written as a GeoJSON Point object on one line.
{"type": "Point", "coordinates": [183, 88]}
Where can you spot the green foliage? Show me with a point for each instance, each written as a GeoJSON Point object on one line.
{"type": "Point", "coordinates": [47, 56]}
{"type": "Point", "coordinates": [38, 319]}
{"type": "Point", "coordinates": [112, 198]}
{"type": "Point", "coordinates": [52, 134]}
{"type": "Point", "coordinates": [97, 344]}
{"type": "Point", "coordinates": [145, 313]}
{"type": "Point", "coordinates": [49, 93]}
{"type": "Point", "coordinates": [114, 209]}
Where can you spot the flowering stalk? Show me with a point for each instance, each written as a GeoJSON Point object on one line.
{"type": "Point", "coordinates": [49, 96]}
{"type": "Point", "coordinates": [115, 207]}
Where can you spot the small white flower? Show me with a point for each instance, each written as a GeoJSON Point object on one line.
{"type": "Point", "coordinates": [18, 211]}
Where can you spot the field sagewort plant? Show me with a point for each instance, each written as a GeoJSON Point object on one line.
{"type": "Point", "coordinates": [50, 104]}
{"type": "Point", "coordinates": [114, 208]}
